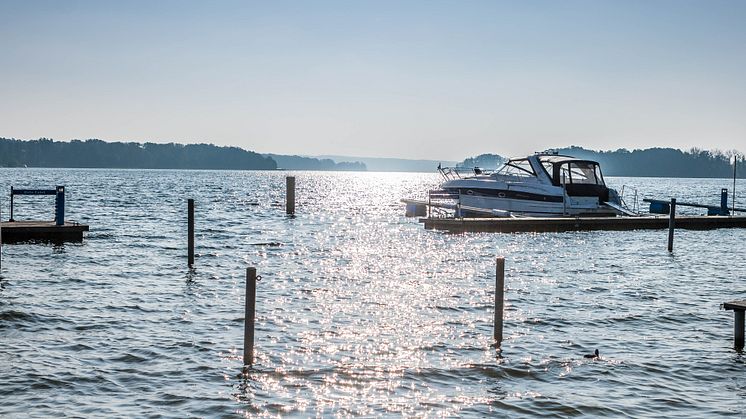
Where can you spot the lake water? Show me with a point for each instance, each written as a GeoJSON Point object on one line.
{"type": "Point", "coordinates": [360, 311]}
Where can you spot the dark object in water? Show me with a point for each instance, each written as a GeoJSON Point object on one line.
{"type": "Point", "coordinates": [594, 356]}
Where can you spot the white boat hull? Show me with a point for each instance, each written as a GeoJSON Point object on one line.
{"type": "Point", "coordinates": [572, 206]}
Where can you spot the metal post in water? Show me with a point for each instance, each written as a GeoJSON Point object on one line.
{"type": "Point", "coordinates": [671, 224]}
{"type": "Point", "coordinates": [735, 164]}
{"type": "Point", "coordinates": [564, 195]}
{"type": "Point", "coordinates": [499, 299]}
{"type": "Point", "coordinates": [11, 204]}
{"type": "Point", "coordinates": [739, 329]}
{"type": "Point", "coordinates": [190, 232]}
{"type": "Point", "coordinates": [290, 195]}
{"type": "Point", "coordinates": [724, 201]}
{"type": "Point", "coordinates": [59, 206]}
{"type": "Point", "coordinates": [248, 328]}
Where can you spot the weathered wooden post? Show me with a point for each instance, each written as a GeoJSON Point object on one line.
{"type": "Point", "coordinates": [190, 232]}
{"type": "Point", "coordinates": [723, 201]}
{"type": "Point", "coordinates": [671, 224]}
{"type": "Point", "coordinates": [499, 299]}
{"type": "Point", "coordinates": [739, 308]}
{"type": "Point", "coordinates": [739, 329]}
{"type": "Point", "coordinates": [290, 195]}
{"type": "Point", "coordinates": [248, 328]}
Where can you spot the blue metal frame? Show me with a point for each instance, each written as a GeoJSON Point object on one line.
{"type": "Point", "coordinates": [59, 201]}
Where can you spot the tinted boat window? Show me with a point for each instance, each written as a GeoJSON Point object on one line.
{"type": "Point", "coordinates": [582, 172]}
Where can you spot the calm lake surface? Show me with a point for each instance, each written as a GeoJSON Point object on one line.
{"type": "Point", "coordinates": [360, 311]}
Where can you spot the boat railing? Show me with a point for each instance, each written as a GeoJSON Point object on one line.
{"type": "Point", "coordinates": [439, 202]}
{"type": "Point", "coordinates": [635, 207]}
{"type": "Point", "coordinates": [460, 172]}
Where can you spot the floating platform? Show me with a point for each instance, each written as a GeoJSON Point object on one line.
{"type": "Point", "coordinates": [41, 231]}
{"type": "Point", "coordinates": [561, 224]}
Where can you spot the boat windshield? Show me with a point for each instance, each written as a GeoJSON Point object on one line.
{"type": "Point", "coordinates": [581, 172]}
{"type": "Point", "coordinates": [520, 167]}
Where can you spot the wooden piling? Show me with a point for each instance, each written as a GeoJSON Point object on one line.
{"type": "Point", "coordinates": [671, 224]}
{"type": "Point", "coordinates": [739, 308]}
{"type": "Point", "coordinates": [499, 299]}
{"type": "Point", "coordinates": [738, 329]}
{"type": "Point", "coordinates": [190, 232]}
{"type": "Point", "coordinates": [290, 195]}
{"type": "Point", "coordinates": [248, 329]}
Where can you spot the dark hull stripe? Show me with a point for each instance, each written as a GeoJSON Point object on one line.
{"type": "Point", "coordinates": [505, 194]}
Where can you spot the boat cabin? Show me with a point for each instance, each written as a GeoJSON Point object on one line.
{"type": "Point", "coordinates": [579, 177]}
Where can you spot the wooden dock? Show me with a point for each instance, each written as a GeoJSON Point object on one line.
{"type": "Point", "coordinates": [41, 231]}
{"type": "Point", "coordinates": [561, 224]}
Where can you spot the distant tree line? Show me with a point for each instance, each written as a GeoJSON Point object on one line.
{"type": "Point", "coordinates": [309, 163]}
{"type": "Point", "coordinates": [484, 161]}
{"type": "Point", "coordinates": [99, 154]}
{"type": "Point", "coordinates": [651, 162]}
{"type": "Point", "coordinates": [664, 162]}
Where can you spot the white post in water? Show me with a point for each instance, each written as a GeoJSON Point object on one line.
{"type": "Point", "coordinates": [290, 195]}
{"type": "Point", "coordinates": [249, 312]}
{"type": "Point", "coordinates": [499, 299]}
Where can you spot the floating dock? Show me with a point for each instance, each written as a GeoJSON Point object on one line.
{"type": "Point", "coordinates": [56, 231]}
{"type": "Point", "coordinates": [561, 224]}
{"type": "Point", "coordinates": [41, 231]}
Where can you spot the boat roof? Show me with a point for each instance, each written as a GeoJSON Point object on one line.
{"type": "Point", "coordinates": [554, 158]}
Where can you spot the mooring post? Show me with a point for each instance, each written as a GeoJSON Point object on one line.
{"type": "Point", "coordinates": [59, 206]}
{"type": "Point", "coordinates": [11, 204]}
{"type": "Point", "coordinates": [290, 195]}
{"type": "Point", "coordinates": [190, 232]}
{"type": "Point", "coordinates": [671, 224]}
{"type": "Point", "coordinates": [735, 164]}
{"type": "Point", "coordinates": [248, 328]}
{"type": "Point", "coordinates": [739, 329]}
{"type": "Point", "coordinates": [499, 299]}
{"type": "Point", "coordinates": [724, 201]}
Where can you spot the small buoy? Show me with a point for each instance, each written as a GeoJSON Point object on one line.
{"type": "Point", "coordinates": [593, 356]}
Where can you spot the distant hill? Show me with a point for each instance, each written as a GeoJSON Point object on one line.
{"type": "Point", "coordinates": [381, 164]}
{"type": "Point", "coordinates": [310, 163]}
{"type": "Point", "coordinates": [662, 162]}
{"type": "Point", "coordinates": [484, 161]}
{"type": "Point", "coordinates": [654, 162]}
{"type": "Point", "coordinates": [99, 154]}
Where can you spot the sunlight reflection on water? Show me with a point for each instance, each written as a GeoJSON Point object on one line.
{"type": "Point", "coordinates": [360, 311]}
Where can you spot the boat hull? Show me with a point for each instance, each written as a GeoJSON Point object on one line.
{"type": "Point", "coordinates": [553, 206]}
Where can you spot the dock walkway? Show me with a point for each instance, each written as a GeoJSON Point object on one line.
{"type": "Point", "coordinates": [561, 224]}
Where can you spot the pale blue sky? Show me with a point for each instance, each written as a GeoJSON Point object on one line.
{"type": "Point", "coordinates": [432, 79]}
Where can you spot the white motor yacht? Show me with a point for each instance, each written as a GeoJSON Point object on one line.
{"type": "Point", "coordinates": [542, 185]}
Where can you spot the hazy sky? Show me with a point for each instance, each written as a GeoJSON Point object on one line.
{"type": "Point", "coordinates": [431, 79]}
